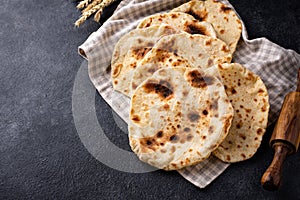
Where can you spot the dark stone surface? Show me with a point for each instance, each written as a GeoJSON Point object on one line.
{"type": "Point", "coordinates": [41, 154]}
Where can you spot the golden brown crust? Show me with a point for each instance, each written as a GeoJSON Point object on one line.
{"type": "Point", "coordinates": [178, 124]}
{"type": "Point", "coordinates": [130, 49]}
{"type": "Point", "coordinates": [225, 21]}
{"type": "Point", "coordinates": [249, 98]}
{"type": "Point", "coordinates": [181, 50]}
{"type": "Point", "coordinates": [180, 21]}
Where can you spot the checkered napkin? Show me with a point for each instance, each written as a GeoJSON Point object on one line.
{"type": "Point", "coordinates": [275, 65]}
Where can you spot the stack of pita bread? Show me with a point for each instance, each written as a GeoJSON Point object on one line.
{"type": "Point", "coordinates": [188, 101]}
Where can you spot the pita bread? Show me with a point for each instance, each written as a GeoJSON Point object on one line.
{"type": "Point", "coordinates": [249, 98]}
{"type": "Point", "coordinates": [225, 21]}
{"type": "Point", "coordinates": [181, 50]}
{"type": "Point", "coordinates": [129, 50]}
{"type": "Point", "coordinates": [178, 117]}
{"type": "Point", "coordinates": [180, 21]}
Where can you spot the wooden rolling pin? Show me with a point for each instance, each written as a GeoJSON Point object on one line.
{"type": "Point", "coordinates": [285, 138]}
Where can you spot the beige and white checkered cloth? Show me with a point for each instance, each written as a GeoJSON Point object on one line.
{"type": "Point", "coordinates": [275, 65]}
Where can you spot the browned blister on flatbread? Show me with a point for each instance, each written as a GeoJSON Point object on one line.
{"type": "Point", "coordinates": [249, 98]}
{"type": "Point", "coordinates": [130, 49]}
{"type": "Point", "coordinates": [178, 117]}
{"type": "Point", "coordinates": [181, 50]}
{"type": "Point", "coordinates": [180, 21]}
{"type": "Point", "coordinates": [224, 20]}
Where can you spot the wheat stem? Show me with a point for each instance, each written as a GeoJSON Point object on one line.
{"type": "Point", "coordinates": [83, 4]}
{"type": "Point", "coordinates": [95, 6]}
{"type": "Point", "coordinates": [98, 15]}
{"type": "Point", "coordinates": [92, 5]}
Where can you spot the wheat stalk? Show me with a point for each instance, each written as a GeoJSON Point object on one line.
{"type": "Point", "coordinates": [90, 7]}
{"type": "Point", "coordinates": [98, 15]}
{"type": "Point", "coordinates": [83, 4]}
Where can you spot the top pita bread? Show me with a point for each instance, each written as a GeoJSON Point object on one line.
{"type": "Point", "coordinates": [178, 117]}
{"type": "Point", "coordinates": [249, 98]}
{"type": "Point", "coordinates": [179, 21]}
{"type": "Point", "coordinates": [224, 20]}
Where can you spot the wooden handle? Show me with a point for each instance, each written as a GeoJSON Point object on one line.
{"type": "Point", "coordinates": [298, 82]}
{"type": "Point", "coordinates": [285, 138]}
{"type": "Point", "coordinates": [288, 124]}
{"type": "Point", "coordinates": [272, 177]}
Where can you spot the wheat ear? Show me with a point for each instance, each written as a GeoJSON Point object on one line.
{"type": "Point", "coordinates": [95, 6]}
{"type": "Point", "coordinates": [83, 4]}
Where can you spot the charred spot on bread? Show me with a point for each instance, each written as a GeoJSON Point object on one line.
{"type": "Point", "coordinates": [225, 9]}
{"type": "Point", "coordinates": [199, 15]}
{"type": "Point", "coordinates": [163, 88]}
{"type": "Point", "coordinates": [195, 78]}
{"type": "Point", "coordinates": [194, 28]}
{"type": "Point", "coordinates": [139, 53]}
{"type": "Point", "coordinates": [194, 116]}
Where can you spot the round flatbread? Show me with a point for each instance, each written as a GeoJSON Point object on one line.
{"type": "Point", "coordinates": [181, 50]}
{"type": "Point", "coordinates": [178, 117]}
{"type": "Point", "coordinates": [225, 21]}
{"type": "Point", "coordinates": [249, 98]}
{"type": "Point", "coordinates": [130, 49]}
{"type": "Point", "coordinates": [180, 21]}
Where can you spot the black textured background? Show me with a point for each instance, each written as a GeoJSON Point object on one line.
{"type": "Point", "coordinates": [41, 155]}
